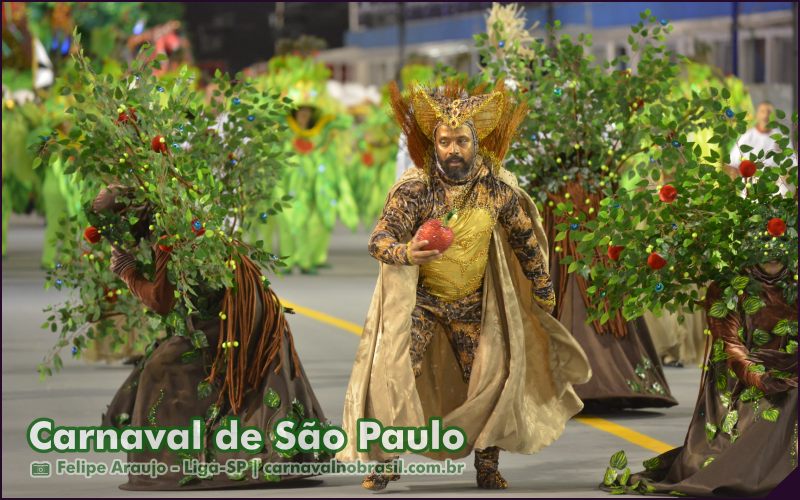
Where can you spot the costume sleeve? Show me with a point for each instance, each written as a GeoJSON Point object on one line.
{"type": "Point", "coordinates": [396, 224]}
{"type": "Point", "coordinates": [518, 225]}
{"type": "Point", "coordinates": [727, 329]}
{"type": "Point", "coordinates": [158, 294]}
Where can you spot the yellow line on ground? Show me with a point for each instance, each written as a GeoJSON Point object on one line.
{"type": "Point", "coordinates": [601, 424]}
{"type": "Point", "coordinates": [625, 433]}
{"type": "Point", "coordinates": [324, 318]}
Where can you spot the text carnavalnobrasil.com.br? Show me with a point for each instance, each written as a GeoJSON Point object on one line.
{"type": "Point", "coordinates": [240, 468]}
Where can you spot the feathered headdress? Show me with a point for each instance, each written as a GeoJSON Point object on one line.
{"type": "Point", "coordinates": [494, 116]}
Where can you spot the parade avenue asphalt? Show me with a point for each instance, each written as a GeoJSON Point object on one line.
{"type": "Point", "coordinates": [330, 307]}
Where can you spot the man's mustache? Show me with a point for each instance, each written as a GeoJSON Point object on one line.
{"type": "Point", "coordinates": [454, 158]}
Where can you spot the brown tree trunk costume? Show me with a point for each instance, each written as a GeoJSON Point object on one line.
{"type": "Point", "coordinates": [626, 369]}
{"type": "Point", "coordinates": [259, 379]}
{"type": "Point", "coordinates": [757, 454]}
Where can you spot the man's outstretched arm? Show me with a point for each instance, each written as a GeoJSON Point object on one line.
{"type": "Point", "coordinates": [523, 241]}
{"type": "Point", "coordinates": [396, 224]}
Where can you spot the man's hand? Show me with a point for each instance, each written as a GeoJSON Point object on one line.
{"type": "Point", "coordinates": [417, 256]}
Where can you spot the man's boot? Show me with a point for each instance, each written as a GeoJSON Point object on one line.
{"type": "Point", "coordinates": [488, 477]}
{"type": "Point", "coordinates": [376, 482]}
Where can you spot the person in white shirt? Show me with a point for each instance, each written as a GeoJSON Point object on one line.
{"type": "Point", "coordinates": [760, 139]}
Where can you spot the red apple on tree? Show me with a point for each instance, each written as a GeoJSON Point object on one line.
{"type": "Point", "coordinates": [747, 168]}
{"type": "Point", "coordinates": [126, 116]}
{"type": "Point", "coordinates": [656, 261]}
{"type": "Point", "coordinates": [776, 226]}
{"type": "Point", "coordinates": [163, 247]}
{"type": "Point", "coordinates": [614, 251]}
{"type": "Point", "coordinates": [668, 193]}
{"type": "Point", "coordinates": [159, 144]}
{"type": "Point", "coordinates": [91, 234]}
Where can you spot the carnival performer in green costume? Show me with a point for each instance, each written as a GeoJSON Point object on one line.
{"type": "Point", "coordinates": [318, 184]}
{"type": "Point", "coordinates": [372, 173]}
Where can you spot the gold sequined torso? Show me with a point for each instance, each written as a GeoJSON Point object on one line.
{"type": "Point", "coordinates": [460, 270]}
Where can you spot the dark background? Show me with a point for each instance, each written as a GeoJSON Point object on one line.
{"type": "Point", "coordinates": [234, 35]}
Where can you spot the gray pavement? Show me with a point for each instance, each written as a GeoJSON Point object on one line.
{"type": "Point", "coordinates": [572, 467]}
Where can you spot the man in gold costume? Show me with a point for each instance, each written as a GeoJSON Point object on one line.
{"type": "Point", "coordinates": [464, 334]}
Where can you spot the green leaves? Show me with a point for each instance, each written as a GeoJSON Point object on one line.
{"type": "Point", "coordinates": [619, 460]}
{"type": "Point", "coordinates": [711, 431]}
{"type": "Point", "coordinates": [204, 389]}
{"type": "Point", "coordinates": [740, 282]}
{"type": "Point", "coordinates": [783, 328]}
{"type": "Point", "coordinates": [760, 337]}
{"type": "Point", "coordinates": [610, 476]}
{"type": "Point", "coordinates": [109, 140]}
{"type": "Point", "coordinates": [199, 339]}
{"type": "Point", "coordinates": [730, 420]}
{"type": "Point", "coordinates": [711, 234]}
{"type": "Point", "coordinates": [272, 399]}
{"type": "Point", "coordinates": [771, 414]}
{"type": "Point", "coordinates": [718, 310]}
{"type": "Point", "coordinates": [212, 413]}
{"type": "Point", "coordinates": [751, 394]}
{"type": "Point", "coordinates": [752, 305]}
{"type": "Point", "coordinates": [652, 463]}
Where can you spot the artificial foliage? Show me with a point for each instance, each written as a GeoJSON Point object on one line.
{"type": "Point", "coordinates": [190, 170]}
{"type": "Point", "coordinates": [662, 241]}
{"type": "Point", "coordinates": [630, 133]}
{"type": "Point", "coordinates": [614, 114]}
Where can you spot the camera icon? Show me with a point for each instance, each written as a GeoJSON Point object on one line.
{"type": "Point", "coordinates": [40, 469]}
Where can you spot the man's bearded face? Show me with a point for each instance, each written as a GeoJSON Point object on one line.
{"type": "Point", "coordinates": [455, 150]}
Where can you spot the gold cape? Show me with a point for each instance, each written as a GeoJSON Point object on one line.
{"type": "Point", "coordinates": [520, 391]}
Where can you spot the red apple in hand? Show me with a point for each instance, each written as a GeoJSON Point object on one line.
{"type": "Point", "coordinates": [438, 236]}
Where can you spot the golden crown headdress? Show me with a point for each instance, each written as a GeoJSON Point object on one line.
{"type": "Point", "coordinates": [432, 110]}
{"type": "Point", "coordinates": [494, 115]}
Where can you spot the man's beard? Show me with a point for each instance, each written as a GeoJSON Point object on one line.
{"type": "Point", "coordinates": [456, 168]}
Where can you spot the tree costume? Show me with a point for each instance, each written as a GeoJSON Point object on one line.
{"type": "Point", "coordinates": [181, 181]}
{"type": "Point", "coordinates": [584, 126]}
{"type": "Point", "coordinates": [682, 342]}
{"type": "Point", "coordinates": [710, 461]}
{"type": "Point", "coordinates": [485, 301]}
{"type": "Point", "coordinates": [737, 238]}
{"type": "Point", "coordinates": [248, 368]}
